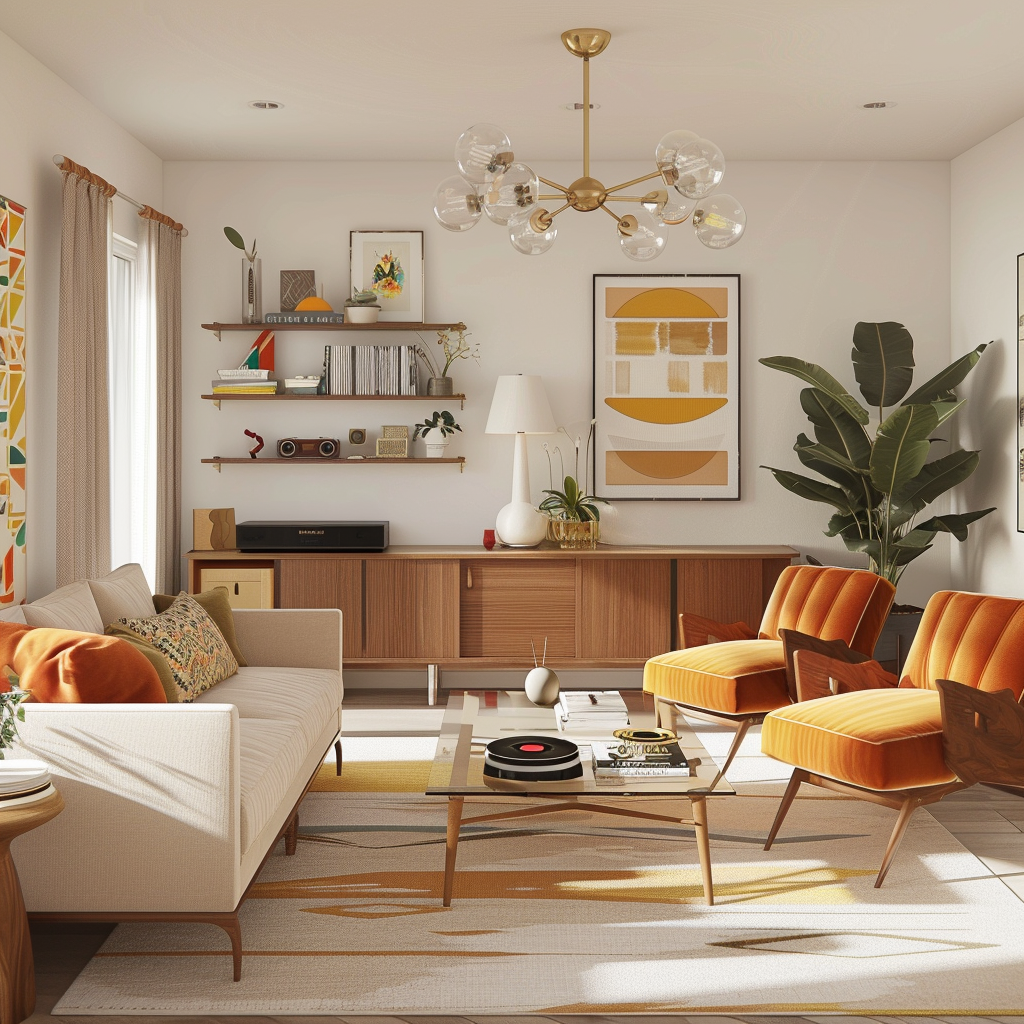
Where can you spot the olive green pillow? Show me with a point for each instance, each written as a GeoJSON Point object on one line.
{"type": "Point", "coordinates": [215, 603]}
{"type": "Point", "coordinates": [158, 661]}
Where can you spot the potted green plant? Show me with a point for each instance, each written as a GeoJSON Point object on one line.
{"type": "Point", "coordinates": [252, 279]}
{"type": "Point", "coordinates": [439, 382]}
{"type": "Point", "coordinates": [11, 712]}
{"type": "Point", "coordinates": [362, 308]}
{"type": "Point", "coordinates": [575, 519]}
{"type": "Point", "coordinates": [445, 425]}
{"type": "Point", "coordinates": [879, 482]}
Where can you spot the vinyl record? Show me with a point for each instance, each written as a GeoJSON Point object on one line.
{"type": "Point", "coordinates": [533, 759]}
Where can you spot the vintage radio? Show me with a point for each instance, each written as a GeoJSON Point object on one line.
{"type": "Point", "coordinates": [308, 447]}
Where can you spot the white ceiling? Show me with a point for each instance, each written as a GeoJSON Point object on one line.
{"type": "Point", "coordinates": [400, 79]}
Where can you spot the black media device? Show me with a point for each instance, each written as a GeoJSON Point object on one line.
{"type": "Point", "coordinates": [274, 535]}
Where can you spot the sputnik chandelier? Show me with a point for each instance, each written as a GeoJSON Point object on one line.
{"type": "Point", "coordinates": [490, 181]}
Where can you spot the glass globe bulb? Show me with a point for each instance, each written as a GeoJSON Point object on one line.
{"type": "Point", "coordinates": [528, 234]}
{"type": "Point", "coordinates": [517, 189]}
{"type": "Point", "coordinates": [668, 208]}
{"type": "Point", "coordinates": [456, 204]}
{"type": "Point", "coordinates": [700, 168]}
{"type": "Point", "coordinates": [642, 238]}
{"type": "Point", "coordinates": [667, 150]}
{"type": "Point", "coordinates": [482, 152]}
{"type": "Point", "coordinates": [719, 220]}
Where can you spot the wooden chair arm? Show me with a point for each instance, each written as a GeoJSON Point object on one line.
{"type": "Point", "coordinates": [793, 640]}
{"type": "Point", "coordinates": [817, 675]}
{"type": "Point", "coordinates": [982, 734]}
{"type": "Point", "coordinates": [696, 631]}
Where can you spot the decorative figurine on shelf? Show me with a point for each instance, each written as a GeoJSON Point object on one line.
{"type": "Point", "coordinates": [252, 279]}
{"type": "Point", "coordinates": [541, 683]}
{"type": "Point", "coordinates": [258, 447]}
{"type": "Point", "coordinates": [362, 308]}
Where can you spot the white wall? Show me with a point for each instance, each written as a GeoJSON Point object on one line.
{"type": "Point", "coordinates": [827, 244]}
{"type": "Point", "coordinates": [987, 233]}
{"type": "Point", "coordinates": [43, 115]}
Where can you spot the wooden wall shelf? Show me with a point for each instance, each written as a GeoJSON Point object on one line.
{"type": "Point", "coordinates": [460, 461]}
{"type": "Point", "coordinates": [218, 327]}
{"type": "Point", "coordinates": [217, 399]}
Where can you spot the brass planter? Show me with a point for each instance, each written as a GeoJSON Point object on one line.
{"type": "Point", "coordinates": [574, 533]}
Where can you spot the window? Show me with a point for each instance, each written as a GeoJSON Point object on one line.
{"type": "Point", "coordinates": [132, 399]}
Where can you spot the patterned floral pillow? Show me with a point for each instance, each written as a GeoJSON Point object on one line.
{"type": "Point", "coordinates": [189, 639]}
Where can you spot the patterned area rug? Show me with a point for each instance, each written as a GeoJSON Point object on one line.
{"type": "Point", "coordinates": [585, 913]}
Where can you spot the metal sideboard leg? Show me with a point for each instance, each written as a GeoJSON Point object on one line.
{"type": "Point", "coordinates": [433, 683]}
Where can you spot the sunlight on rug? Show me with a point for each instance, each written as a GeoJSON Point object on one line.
{"type": "Point", "coordinates": [586, 913]}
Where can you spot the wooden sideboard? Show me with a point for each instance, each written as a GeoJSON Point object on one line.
{"type": "Point", "coordinates": [465, 607]}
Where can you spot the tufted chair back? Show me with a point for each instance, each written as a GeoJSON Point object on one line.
{"type": "Point", "coordinates": [974, 639]}
{"type": "Point", "coordinates": [830, 603]}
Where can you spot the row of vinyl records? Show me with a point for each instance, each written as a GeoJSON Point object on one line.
{"type": "Point", "coordinates": [370, 369]}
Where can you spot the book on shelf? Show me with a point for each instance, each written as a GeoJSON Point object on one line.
{"type": "Point", "coordinates": [244, 387]}
{"type": "Point", "coordinates": [586, 708]}
{"type": "Point", "coordinates": [243, 373]}
{"type": "Point", "coordinates": [308, 317]}
{"type": "Point", "coordinates": [669, 760]}
{"type": "Point", "coordinates": [370, 369]}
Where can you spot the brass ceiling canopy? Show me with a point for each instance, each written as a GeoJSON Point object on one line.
{"type": "Point", "coordinates": [491, 181]}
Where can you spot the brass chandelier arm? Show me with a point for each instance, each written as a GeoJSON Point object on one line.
{"type": "Point", "coordinates": [555, 213]}
{"type": "Point", "coordinates": [586, 117]}
{"type": "Point", "coordinates": [635, 181]}
{"type": "Point", "coordinates": [558, 195]}
{"type": "Point", "coordinates": [611, 213]}
{"type": "Point", "coordinates": [554, 185]}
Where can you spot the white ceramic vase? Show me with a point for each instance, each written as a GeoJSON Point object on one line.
{"type": "Point", "coordinates": [542, 687]}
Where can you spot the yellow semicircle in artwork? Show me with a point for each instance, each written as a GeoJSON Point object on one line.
{"type": "Point", "coordinates": [665, 302]}
{"type": "Point", "coordinates": [666, 410]}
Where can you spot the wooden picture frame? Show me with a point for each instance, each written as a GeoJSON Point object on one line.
{"type": "Point", "coordinates": [398, 281]}
{"type": "Point", "coordinates": [667, 387]}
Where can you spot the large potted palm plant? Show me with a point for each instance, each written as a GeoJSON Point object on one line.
{"type": "Point", "coordinates": [880, 482]}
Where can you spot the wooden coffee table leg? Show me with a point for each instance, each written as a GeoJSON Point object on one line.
{"type": "Point", "coordinates": [451, 845]}
{"type": "Point", "coordinates": [17, 976]}
{"type": "Point", "coordinates": [700, 827]}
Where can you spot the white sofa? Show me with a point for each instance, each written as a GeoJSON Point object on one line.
{"type": "Point", "coordinates": [171, 809]}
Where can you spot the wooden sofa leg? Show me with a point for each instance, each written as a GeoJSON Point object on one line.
{"type": "Point", "coordinates": [799, 776]}
{"type": "Point", "coordinates": [291, 835]}
{"type": "Point", "coordinates": [230, 924]}
{"type": "Point", "coordinates": [908, 808]}
{"type": "Point", "coordinates": [337, 756]}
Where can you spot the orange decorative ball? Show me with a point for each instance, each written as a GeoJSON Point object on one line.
{"type": "Point", "coordinates": [314, 302]}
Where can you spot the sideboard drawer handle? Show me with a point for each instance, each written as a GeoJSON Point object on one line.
{"type": "Point", "coordinates": [469, 579]}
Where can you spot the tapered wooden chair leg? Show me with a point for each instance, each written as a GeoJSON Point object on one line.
{"type": "Point", "coordinates": [789, 796]}
{"type": "Point", "coordinates": [908, 808]}
{"type": "Point", "coordinates": [741, 731]}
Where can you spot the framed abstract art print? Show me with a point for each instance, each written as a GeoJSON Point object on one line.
{"type": "Point", "coordinates": [389, 263]}
{"type": "Point", "coordinates": [667, 386]}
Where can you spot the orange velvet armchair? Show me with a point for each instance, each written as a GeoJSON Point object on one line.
{"type": "Point", "coordinates": [731, 675]}
{"type": "Point", "coordinates": [885, 741]}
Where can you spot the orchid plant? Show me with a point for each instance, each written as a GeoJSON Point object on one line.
{"type": "Point", "coordinates": [572, 502]}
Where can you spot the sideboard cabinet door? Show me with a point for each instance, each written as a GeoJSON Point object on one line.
{"type": "Point", "coordinates": [412, 609]}
{"type": "Point", "coordinates": [626, 608]}
{"type": "Point", "coordinates": [505, 604]}
{"type": "Point", "coordinates": [327, 583]}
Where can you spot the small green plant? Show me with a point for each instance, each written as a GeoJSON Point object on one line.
{"type": "Point", "coordinates": [239, 243]}
{"type": "Point", "coordinates": [362, 298]}
{"type": "Point", "coordinates": [572, 502]}
{"type": "Point", "coordinates": [443, 421]}
{"type": "Point", "coordinates": [11, 696]}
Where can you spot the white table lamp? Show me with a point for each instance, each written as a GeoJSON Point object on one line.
{"type": "Point", "coordinates": [520, 407]}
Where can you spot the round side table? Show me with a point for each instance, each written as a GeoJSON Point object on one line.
{"type": "Point", "coordinates": [17, 971]}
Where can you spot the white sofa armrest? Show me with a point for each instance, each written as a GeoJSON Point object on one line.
{"type": "Point", "coordinates": [290, 637]}
{"type": "Point", "coordinates": [151, 818]}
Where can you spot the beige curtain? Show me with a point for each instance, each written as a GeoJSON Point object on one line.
{"type": "Point", "coordinates": [162, 261]}
{"type": "Point", "coordinates": [83, 462]}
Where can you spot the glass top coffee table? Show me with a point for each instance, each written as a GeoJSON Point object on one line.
{"type": "Point", "coordinates": [475, 717]}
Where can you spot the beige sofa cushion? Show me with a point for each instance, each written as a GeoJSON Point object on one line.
{"type": "Point", "coordinates": [303, 697]}
{"type": "Point", "coordinates": [15, 614]}
{"type": "Point", "coordinates": [270, 755]}
{"type": "Point", "coordinates": [70, 607]}
{"type": "Point", "coordinates": [123, 594]}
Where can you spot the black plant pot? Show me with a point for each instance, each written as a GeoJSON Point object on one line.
{"type": "Point", "coordinates": [897, 635]}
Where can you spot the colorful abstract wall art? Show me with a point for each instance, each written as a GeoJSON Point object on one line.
{"type": "Point", "coordinates": [12, 403]}
{"type": "Point", "coordinates": [667, 386]}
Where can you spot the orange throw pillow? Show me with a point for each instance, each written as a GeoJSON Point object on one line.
{"type": "Point", "coordinates": [60, 666]}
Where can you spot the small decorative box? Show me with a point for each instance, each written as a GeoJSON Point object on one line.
{"type": "Point", "coordinates": [392, 447]}
{"type": "Point", "coordinates": [395, 431]}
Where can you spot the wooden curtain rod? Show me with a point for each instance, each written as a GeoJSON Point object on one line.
{"type": "Point", "coordinates": [144, 211]}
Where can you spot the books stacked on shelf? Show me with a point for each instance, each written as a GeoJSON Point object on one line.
{"type": "Point", "coordinates": [591, 709]}
{"type": "Point", "coordinates": [22, 779]}
{"type": "Point", "coordinates": [370, 369]}
{"type": "Point", "coordinates": [308, 316]}
{"type": "Point", "coordinates": [244, 381]}
{"type": "Point", "coordinates": [618, 760]}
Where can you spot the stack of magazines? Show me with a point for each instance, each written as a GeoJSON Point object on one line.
{"type": "Point", "coordinates": [22, 779]}
{"type": "Point", "coordinates": [244, 381]}
{"type": "Point", "coordinates": [591, 709]}
{"type": "Point", "coordinates": [616, 760]}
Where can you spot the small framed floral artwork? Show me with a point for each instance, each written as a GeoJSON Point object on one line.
{"type": "Point", "coordinates": [390, 264]}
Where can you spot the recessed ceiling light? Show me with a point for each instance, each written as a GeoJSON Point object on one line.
{"type": "Point", "coordinates": [579, 106]}
{"type": "Point", "coordinates": [879, 105]}
{"type": "Point", "coordinates": [265, 105]}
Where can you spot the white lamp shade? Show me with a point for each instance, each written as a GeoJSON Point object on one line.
{"type": "Point", "coordinates": [520, 406]}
